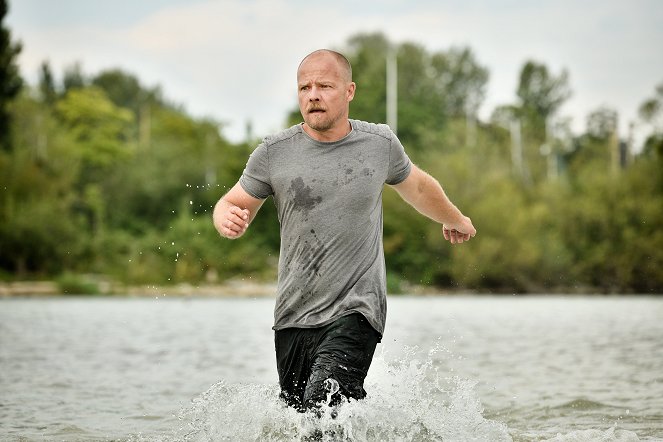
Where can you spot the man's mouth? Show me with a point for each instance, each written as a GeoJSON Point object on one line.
{"type": "Point", "coordinates": [316, 110]}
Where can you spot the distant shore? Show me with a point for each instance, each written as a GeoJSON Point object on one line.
{"type": "Point", "coordinates": [235, 288]}
{"type": "Point", "coordinates": [247, 288]}
{"type": "Point", "coordinates": [232, 288]}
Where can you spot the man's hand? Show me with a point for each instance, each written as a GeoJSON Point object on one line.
{"type": "Point", "coordinates": [233, 222]}
{"type": "Point", "coordinates": [230, 220]}
{"type": "Point", "coordinates": [458, 233]}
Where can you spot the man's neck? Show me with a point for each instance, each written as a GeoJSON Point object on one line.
{"type": "Point", "coordinates": [329, 135]}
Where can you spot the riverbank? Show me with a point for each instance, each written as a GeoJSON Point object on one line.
{"type": "Point", "coordinates": [242, 288]}
{"type": "Point", "coordinates": [238, 288]}
{"type": "Point", "coordinates": [233, 288]}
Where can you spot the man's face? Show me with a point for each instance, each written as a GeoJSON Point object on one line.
{"type": "Point", "coordinates": [324, 92]}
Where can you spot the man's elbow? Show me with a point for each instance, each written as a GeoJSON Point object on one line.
{"type": "Point", "coordinates": [423, 182]}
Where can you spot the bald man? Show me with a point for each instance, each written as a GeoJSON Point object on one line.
{"type": "Point", "coordinates": [326, 176]}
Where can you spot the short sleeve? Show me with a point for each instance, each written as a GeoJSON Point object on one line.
{"type": "Point", "coordinates": [255, 179]}
{"type": "Point", "coordinates": [399, 163]}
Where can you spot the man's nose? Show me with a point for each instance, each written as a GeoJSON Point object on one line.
{"type": "Point", "coordinates": [314, 94]}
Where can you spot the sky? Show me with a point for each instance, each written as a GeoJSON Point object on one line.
{"type": "Point", "coordinates": [235, 61]}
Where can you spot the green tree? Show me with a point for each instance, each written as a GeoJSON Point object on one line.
{"type": "Point", "coordinates": [99, 128]}
{"type": "Point", "coordinates": [367, 54]}
{"type": "Point", "coordinates": [540, 92]}
{"type": "Point", "coordinates": [461, 81]}
{"type": "Point", "coordinates": [602, 123]}
{"type": "Point", "coordinates": [540, 95]}
{"type": "Point", "coordinates": [421, 106]}
{"type": "Point", "coordinates": [39, 234]}
{"type": "Point", "coordinates": [74, 78]}
{"type": "Point", "coordinates": [433, 88]}
{"type": "Point", "coordinates": [125, 90]}
{"type": "Point", "coordinates": [651, 113]}
{"type": "Point", "coordinates": [47, 89]}
{"type": "Point", "coordinates": [594, 148]}
{"type": "Point", "coordinates": [10, 79]}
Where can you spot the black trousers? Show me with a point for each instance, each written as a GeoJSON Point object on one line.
{"type": "Point", "coordinates": [330, 362]}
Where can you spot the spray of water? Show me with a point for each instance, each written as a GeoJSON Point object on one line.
{"type": "Point", "coordinates": [408, 400]}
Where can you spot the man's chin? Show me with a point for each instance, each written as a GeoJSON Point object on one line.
{"type": "Point", "coordinates": [319, 126]}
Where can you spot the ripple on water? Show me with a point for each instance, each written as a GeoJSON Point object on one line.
{"type": "Point", "coordinates": [611, 435]}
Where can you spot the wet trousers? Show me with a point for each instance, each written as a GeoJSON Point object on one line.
{"type": "Point", "coordinates": [325, 364]}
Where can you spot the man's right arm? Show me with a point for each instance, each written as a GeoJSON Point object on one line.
{"type": "Point", "coordinates": [234, 212]}
{"type": "Point", "coordinates": [424, 193]}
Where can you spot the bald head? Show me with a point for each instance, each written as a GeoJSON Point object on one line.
{"type": "Point", "coordinates": [343, 63]}
{"type": "Point", "coordinates": [325, 90]}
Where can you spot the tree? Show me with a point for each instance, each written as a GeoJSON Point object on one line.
{"type": "Point", "coordinates": [651, 112]}
{"type": "Point", "coordinates": [98, 126]}
{"type": "Point", "coordinates": [541, 93]}
{"type": "Point", "coordinates": [125, 90]}
{"type": "Point", "coordinates": [47, 84]}
{"type": "Point", "coordinates": [602, 123]}
{"type": "Point", "coordinates": [461, 80]}
{"type": "Point", "coordinates": [367, 53]}
{"type": "Point", "coordinates": [652, 108]}
{"type": "Point", "coordinates": [10, 79]}
{"type": "Point", "coordinates": [433, 88]}
{"type": "Point", "coordinates": [73, 77]}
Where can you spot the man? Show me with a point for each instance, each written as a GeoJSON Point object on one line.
{"type": "Point", "coordinates": [326, 176]}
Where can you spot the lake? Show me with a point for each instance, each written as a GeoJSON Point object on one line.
{"type": "Point", "coordinates": [454, 368]}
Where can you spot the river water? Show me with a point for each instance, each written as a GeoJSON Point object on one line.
{"type": "Point", "coordinates": [449, 369]}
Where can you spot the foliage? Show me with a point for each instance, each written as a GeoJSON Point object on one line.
{"type": "Point", "coordinates": [10, 79]}
{"type": "Point", "coordinates": [104, 177]}
{"type": "Point", "coordinates": [72, 284]}
{"type": "Point", "coordinates": [540, 92]}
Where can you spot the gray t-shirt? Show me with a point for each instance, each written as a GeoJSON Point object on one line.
{"type": "Point", "coordinates": [329, 202]}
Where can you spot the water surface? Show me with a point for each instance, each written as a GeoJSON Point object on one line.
{"type": "Point", "coordinates": [449, 368]}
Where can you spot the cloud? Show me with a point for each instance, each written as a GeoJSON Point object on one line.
{"type": "Point", "coordinates": [236, 60]}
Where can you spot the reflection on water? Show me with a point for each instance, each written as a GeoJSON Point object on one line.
{"type": "Point", "coordinates": [455, 368]}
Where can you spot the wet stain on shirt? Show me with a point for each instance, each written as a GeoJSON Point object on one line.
{"type": "Point", "coordinates": [302, 199]}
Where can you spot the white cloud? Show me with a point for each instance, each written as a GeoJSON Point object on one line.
{"type": "Point", "coordinates": [235, 60]}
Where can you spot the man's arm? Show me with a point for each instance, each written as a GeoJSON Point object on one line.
{"type": "Point", "coordinates": [424, 193]}
{"type": "Point", "coordinates": [234, 212]}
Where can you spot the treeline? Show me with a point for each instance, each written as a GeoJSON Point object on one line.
{"type": "Point", "coordinates": [102, 175]}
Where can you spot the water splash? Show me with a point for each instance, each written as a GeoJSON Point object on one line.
{"type": "Point", "coordinates": [408, 400]}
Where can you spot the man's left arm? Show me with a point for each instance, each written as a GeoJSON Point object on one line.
{"type": "Point", "coordinates": [424, 193]}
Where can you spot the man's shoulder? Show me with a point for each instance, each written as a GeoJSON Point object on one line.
{"type": "Point", "coordinates": [380, 130]}
{"type": "Point", "coordinates": [283, 135]}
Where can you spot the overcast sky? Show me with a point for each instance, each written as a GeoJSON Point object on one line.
{"type": "Point", "coordinates": [235, 60]}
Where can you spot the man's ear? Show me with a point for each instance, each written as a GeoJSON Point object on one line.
{"type": "Point", "coordinates": [351, 91]}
